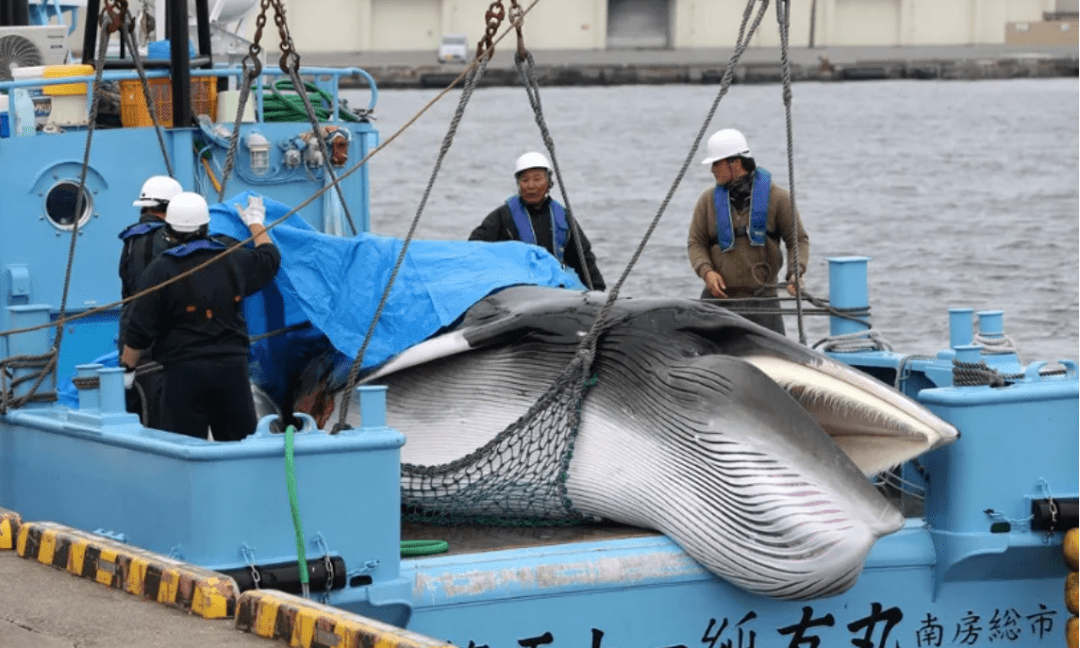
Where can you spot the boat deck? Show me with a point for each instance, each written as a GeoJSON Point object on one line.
{"type": "Point", "coordinates": [475, 538]}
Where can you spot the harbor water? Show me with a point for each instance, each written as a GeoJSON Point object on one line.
{"type": "Point", "coordinates": [963, 193]}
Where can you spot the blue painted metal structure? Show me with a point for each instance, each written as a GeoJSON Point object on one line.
{"type": "Point", "coordinates": [955, 575]}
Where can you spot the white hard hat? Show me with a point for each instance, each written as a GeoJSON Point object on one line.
{"type": "Point", "coordinates": [187, 212]}
{"type": "Point", "coordinates": [157, 190]}
{"type": "Point", "coordinates": [724, 144]}
{"type": "Point", "coordinates": [532, 160]}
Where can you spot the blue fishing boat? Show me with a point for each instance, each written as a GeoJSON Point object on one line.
{"type": "Point", "coordinates": [444, 457]}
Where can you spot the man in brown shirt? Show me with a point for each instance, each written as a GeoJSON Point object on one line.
{"type": "Point", "coordinates": [736, 229]}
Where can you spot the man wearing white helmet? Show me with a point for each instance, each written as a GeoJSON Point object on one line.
{"type": "Point", "coordinates": [196, 325]}
{"type": "Point", "coordinates": [142, 242]}
{"type": "Point", "coordinates": [532, 216]}
{"type": "Point", "coordinates": [145, 239]}
{"type": "Point", "coordinates": [736, 229]}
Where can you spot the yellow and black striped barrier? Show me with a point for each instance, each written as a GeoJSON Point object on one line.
{"type": "Point", "coordinates": [201, 591]}
{"type": "Point", "coordinates": [9, 528]}
{"type": "Point", "coordinates": [304, 623]}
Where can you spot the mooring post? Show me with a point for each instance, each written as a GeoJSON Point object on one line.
{"type": "Point", "coordinates": [848, 290]}
{"type": "Point", "coordinates": [372, 405]}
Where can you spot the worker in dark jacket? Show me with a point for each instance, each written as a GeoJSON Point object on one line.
{"type": "Point", "coordinates": [196, 325]}
{"type": "Point", "coordinates": [143, 241]}
{"type": "Point", "coordinates": [534, 217]}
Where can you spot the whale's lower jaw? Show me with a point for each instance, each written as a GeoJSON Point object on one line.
{"type": "Point", "coordinates": [759, 524]}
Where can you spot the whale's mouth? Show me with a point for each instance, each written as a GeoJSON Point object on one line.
{"type": "Point", "coordinates": [876, 427]}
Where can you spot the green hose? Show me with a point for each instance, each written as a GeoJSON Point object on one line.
{"type": "Point", "coordinates": [290, 474]}
{"type": "Point", "coordinates": [278, 107]}
{"type": "Point", "coordinates": [411, 548]}
{"type": "Point", "coordinates": [408, 547]}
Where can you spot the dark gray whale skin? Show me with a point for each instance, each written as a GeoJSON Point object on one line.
{"type": "Point", "coordinates": [723, 435]}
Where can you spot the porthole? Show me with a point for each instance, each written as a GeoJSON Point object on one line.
{"type": "Point", "coordinates": [60, 205]}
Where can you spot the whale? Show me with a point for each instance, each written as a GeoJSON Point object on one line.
{"type": "Point", "coordinates": [750, 451]}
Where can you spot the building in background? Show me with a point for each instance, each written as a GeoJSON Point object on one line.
{"type": "Point", "coordinates": [352, 26]}
{"type": "Point", "coordinates": [418, 25]}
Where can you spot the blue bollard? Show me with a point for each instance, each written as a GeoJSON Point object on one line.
{"type": "Point", "coordinates": [847, 289]}
{"type": "Point", "coordinates": [30, 343]}
{"type": "Point", "coordinates": [372, 405]}
{"type": "Point", "coordinates": [89, 397]}
{"type": "Point", "coordinates": [969, 353]}
{"type": "Point", "coordinates": [991, 323]}
{"type": "Point", "coordinates": [960, 327]}
{"type": "Point", "coordinates": [112, 390]}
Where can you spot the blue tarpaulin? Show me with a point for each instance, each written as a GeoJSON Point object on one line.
{"type": "Point", "coordinates": [336, 283]}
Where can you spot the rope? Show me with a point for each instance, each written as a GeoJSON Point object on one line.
{"type": "Point", "coordinates": [742, 42]}
{"type": "Point", "coordinates": [523, 60]}
{"type": "Point", "coordinates": [234, 139]}
{"type": "Point", "coordinates": [783, 17]}
{"type": "Point", "coordinates": [126, 36]}
{"type": "Point", "coordinates": [42, 362]}
{"type": "Point", "coordinates": [855, 341]}
{"type": "Point", "coordinates": [976, 373]}
{"type": "Point", "coordinates": [271, 225]}
{"type": "Point", "coordinates": [50, 367]}
{"type": "Point", "coordinates": [903, 370]}
{"type": "Point", "coordinates": [472, 78]}
{"type": "Point", "coordinates": [294, 508]}
{"type": "Point", "coordinates": [995, 345]}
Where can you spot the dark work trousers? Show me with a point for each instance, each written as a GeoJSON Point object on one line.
{"type": "Point", "coordinates": [151, 386]}
{"type": "Point", "coordinates": [209, 393]}
{"type": "Point", "coordinates": [750, 309]}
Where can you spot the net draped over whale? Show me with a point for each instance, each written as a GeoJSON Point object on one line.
{"type": "Point", "coordinates": [335, 284]}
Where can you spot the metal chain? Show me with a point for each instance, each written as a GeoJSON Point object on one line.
{"type": "Point", "coordinates": [492, 19]}
{"type": "Point", "coordinates": [290, 64]}
{"type": "Point", "coordinates": [1045, 486]}
{"type": "Point", "coordinates": [783, 11]}
{"type": "Point", "coordinates": [269, 225]}
{"type": "Point", "coordinates": [471, 79]}
{"type": "Point", "coordinates": [249, 558]}
{"type": "Point", "coordinates": [320, 543]}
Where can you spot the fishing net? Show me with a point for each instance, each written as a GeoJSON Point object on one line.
{"type": "Point", "coordinates": [516, 479]}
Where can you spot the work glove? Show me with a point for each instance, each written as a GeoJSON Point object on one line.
{"type": "Point", "coordinates": [255, 214]}
{"type": "Point", "coordinates": [129, 378]}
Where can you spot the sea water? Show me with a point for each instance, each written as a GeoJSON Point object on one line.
{"type": "Point", "coordinates": [963, 193]}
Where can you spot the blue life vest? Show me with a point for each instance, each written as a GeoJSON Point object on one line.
{"type": "Point", "coordinates": [195, 246]}
{"type": "Point", "coordinates": [759, 211]}
{"type": "Point", "coordinates": [139, 229]}
{"type": "Point", "coordinates": [560, 231]}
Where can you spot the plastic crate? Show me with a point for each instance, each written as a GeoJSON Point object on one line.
{"type": "Point", "coordinates": [133, 106]}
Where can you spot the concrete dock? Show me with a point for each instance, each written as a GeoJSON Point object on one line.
{"type": "Point", "coordinates": [757, 65]}
{"type": "Point", "coordinates": [45, 607]}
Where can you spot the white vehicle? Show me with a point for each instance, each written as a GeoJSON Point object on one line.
{"type": "Point", "coordinates": [454, 48]}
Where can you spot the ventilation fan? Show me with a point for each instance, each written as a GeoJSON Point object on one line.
{"type": "Point", "coordinates": [17, 51]}
{"type": "Point", "coordinates": [31, 46]}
